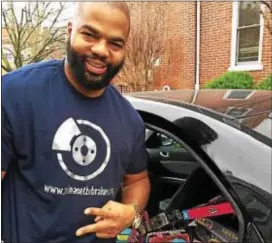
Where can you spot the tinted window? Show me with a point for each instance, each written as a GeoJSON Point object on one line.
{"type": "Point", "coordinates": [168, 142]}
{"type": "Point", "coordinates": [258, 203]}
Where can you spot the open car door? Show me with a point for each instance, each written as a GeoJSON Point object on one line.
{"type": "Point", "coordinates": [191, 199]}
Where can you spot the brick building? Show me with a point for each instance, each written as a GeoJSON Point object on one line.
{"type": "Point", "coordinates": [232, 37]}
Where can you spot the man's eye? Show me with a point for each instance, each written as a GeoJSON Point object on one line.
{"type": "Point", "coordinates": [88, 34]}
{"type": "Point", "coordinates": [117, 45]}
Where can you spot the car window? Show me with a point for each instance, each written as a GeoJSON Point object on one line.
{"type": "Point", "coordinates": [170, 164]}
{"type": "Point", "coordinates": [168, 142]}
{"type": "Point", "coordinates": [258, 203]}
{"type": "Point", "coordinates": [165, 141]}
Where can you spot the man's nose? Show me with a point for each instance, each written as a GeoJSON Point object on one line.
{"type": "Point", "coordinates": [100, 49]}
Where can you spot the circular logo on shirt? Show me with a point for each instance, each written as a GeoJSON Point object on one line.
{"type": "Point", "coordinates": [83, 149]}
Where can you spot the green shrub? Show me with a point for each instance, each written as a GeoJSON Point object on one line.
{"type": "Point", "coordinates": [231, 80]}
{"type": "Point", "coordinates": [266, 83]}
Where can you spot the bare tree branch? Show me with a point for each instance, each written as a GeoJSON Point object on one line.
{"type": "Point", "coordinates": [5, 63]}
{"type": "Point", "coordinates": [268, 5]}
{"type": "Point", "coordinates": [30, 38]}
{"type": "Point", "coordinates": [33, 29]}
{"type": "Point", "coordinates": [146, 45]}
{"type": "Point", "coordinates": [9, 31]}
{"type": "Point", "coordinates": [5, 68]}
{"type": "Point", "coordinates": [266, 12]}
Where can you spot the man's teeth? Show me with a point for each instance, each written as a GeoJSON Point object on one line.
{"type": "Point", "coordinates": [96, 65]}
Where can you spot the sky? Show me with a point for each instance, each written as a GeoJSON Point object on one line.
{"type": "Point", "coordinates": [67, 14]}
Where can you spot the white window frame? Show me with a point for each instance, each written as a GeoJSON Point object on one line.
{"type": "Point", "coordinates": [245, 66]}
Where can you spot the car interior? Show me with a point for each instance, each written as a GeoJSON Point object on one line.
{"type": "Point", "coordinates": [179, 184]}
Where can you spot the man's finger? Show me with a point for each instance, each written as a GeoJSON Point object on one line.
{"type": "Point", "coordinates": [103, 225]}
{"type": "Point", "coordinates": [98, 218]}
{"type": "Point", "coordinates": [99, 212]}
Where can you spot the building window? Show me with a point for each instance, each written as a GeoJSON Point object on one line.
{"type": "Point", "coordinates": [248, 33]}
{"type": "Point", "coordinates": [247, 36]}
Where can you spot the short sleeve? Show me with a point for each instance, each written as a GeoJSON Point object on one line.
{"type": "Point", "coordinates": [138, 162]}
{"type": "Point", "coordinates": [7, 145]}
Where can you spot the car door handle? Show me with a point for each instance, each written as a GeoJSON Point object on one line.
{"type": "Point", "coordinates": [165, 154]}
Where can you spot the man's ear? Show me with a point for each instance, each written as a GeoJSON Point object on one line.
{"type": "Point", "coordinates": [69, 29]}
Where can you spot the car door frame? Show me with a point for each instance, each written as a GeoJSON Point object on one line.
{"type": "Point", "coordinates": [167, 127]}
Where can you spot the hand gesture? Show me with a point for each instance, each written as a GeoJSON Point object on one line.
{"type": "Point", "coordinates": [110, 220]}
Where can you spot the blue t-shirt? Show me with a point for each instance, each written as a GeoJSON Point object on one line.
{"type": "Point", "coordinates": [63, 152]}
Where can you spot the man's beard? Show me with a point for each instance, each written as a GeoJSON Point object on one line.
{"type": "Point", "coordinates": [87, 79]}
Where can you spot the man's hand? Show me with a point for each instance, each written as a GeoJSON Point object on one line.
{"type": "Point", "coordinates": [3, 173]}
{"type": "Point", "coordinates": [110, 220]}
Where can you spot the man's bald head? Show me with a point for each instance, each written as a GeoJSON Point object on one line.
{"type": "Point", "coordinates": [96, 43]}
{"type": "Point", "coordinates": [122, 6]}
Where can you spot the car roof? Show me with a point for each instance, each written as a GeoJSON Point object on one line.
{"type": "Point", "coordinates": [250, 110]}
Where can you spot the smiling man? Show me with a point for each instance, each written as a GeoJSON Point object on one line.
{"type": "Point", "coordinates": [96, 44]}
{"type": "Point", "coordinates": [70, 141]}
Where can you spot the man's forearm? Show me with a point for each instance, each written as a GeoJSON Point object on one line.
{"type": "Point", "coordinates": [137, 192]}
